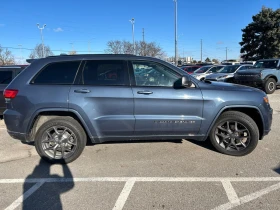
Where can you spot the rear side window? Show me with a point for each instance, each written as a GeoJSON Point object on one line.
{"type": "Point", "coordinates": [105, 72]}
{"type": "Point", "coordinates": [62, 73]}
{"type": "Point", "coordinates": [6, 77]}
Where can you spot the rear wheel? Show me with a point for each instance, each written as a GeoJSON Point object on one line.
{"type": "Point", "coordinates": [235, 133]}
{"type": "Point", "coordinates": [60, 140]}
{"type": "Point", "coordinates": [270, 86]}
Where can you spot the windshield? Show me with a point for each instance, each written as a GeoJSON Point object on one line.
{"type": "Point", "coordinates": [229, 69]}
{"type": "Point", "coordinates": [202, 69]}
{"type": "Point", "coordinates": [270, 64]}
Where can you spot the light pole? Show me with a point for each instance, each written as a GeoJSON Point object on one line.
{"type": "Point", "coordinates": [42, 38]}
{"type": "Point", "coordinates": [176, 38]}
{"type": "Point", "coordinates": [20, 53]}
{"type": "Point", "coordinates": [132, 22]}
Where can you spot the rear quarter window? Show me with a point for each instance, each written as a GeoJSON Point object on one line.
{"type": "Point", "coordinates": [6, 77]}
{"type": "Point", "coordinates": [61, 73]}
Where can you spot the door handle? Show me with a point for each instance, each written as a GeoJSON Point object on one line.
{"type": "Point", "coordinates": [82, 91]}
{"type": "Point", "coordinates": [145, 92]}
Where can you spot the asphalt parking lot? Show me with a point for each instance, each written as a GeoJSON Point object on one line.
{"type": "Point", "coordinates": [144, 175]}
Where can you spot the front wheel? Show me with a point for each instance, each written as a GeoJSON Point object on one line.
{"type": "Point", "coordinates": [60, 140]}
{"type": "Point", "coordinates": [235, 133]}
{"type": "Point", "coordinates": [270, 86]}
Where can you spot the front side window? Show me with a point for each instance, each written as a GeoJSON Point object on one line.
{"type": "Point", "coordinates": [105, 72]}
{"type": "Point", "coordinates": [6, 77]}
{"type": "Point", "coordinates": [62, 73]}
{"type": "Point", "coordinates": [202, 69]}
{"type": "Point", "coordinates": [153, 74]}
{"type": "Point", "coordinates": [229, 69]}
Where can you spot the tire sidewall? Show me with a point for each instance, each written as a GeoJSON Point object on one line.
{"type": "Point", "coordinates": [251, 128]}
{"type": "Point", "coordinates": [81, 140]}
{"type": "Point", "coordinates": [267, 90]}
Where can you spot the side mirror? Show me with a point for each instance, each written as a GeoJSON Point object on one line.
{"type": "Point", "coordinates": [186, 81]}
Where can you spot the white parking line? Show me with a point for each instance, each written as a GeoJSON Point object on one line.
{"type": "Point", "coordinates": [130, 181]}
{"type": "Point", "coordinates": [145, 179]}
{"type": "Point", "coordinates": [248, 198]}
{"type": "Point", "coordinates": [124, 195]}
{"type": "Point", "coordinates": [231, 194]}
{"type": "Point", "coordinates": [29, 192]}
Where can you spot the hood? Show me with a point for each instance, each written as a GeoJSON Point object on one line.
{"type": "Point", "coordinates": [217, 75]}
{"type": "Point", "coordinates": [233, 87]}
{"type": "Point", "coordinates": [250, 71]}
{"type": "Point", "coordinates": [197, 74]}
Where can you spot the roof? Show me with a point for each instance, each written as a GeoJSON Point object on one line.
{"type": "Point", "coordinates": [64, 57]}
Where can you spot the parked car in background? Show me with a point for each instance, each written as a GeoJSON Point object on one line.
{"type": "Point", "coordinates": [265, 75]}
{"type": "Point", "coordinates": [226, 74]}
{"type": "Point", "coordinates": [190, 69]}
{"type": "Point", "coordinates": [203, 71]}
{"type": "Point", "coordinates": [7, 73]}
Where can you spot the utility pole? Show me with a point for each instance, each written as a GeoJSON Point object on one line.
{"type": "Point", "coordinates": [201, 50]}
{"type": "Point", "coordinates": [132, 22]}
{"type": "Point", "coordinates": [143, 33]}
{"type": "Point", "coordinates": [226, 53]}
{"type": "Point", "coordinates": [21, 54]}
{"type": "Point", "coordinates": [176, 38]}
{"type": "Point", "coordinates": [42, 38]}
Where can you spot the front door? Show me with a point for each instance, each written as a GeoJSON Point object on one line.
{"type": "Point", "coordinates": [159, 107]}
{"type": "Point", "coordinates": [103, 96]}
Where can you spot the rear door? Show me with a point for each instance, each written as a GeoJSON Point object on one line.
{"type": "Point", "coordinates": [6, 76]}
{"type": "Point", "coordinates": [103, 96]}
{"type": "Point", "coordinates": [159, 107]}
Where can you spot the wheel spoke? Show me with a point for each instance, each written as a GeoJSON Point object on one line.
{"type": "Point", "coordinates": [235, 126]}
{"type": "Point", "coordinates": [71, 143]}
{"type": "Point", "coordinates": [223, 129]}
{"type": "Point", "coordinates": [228, 128]}
{"type": "Point", "coordinates": [228, 145]}
{"type": "Point", "coordinates": [50, 148]}
{"type": "Point", "coordinates": [62, 150]}
{"type": "Point", "coordinates": [56, 131]}
{"type": "Point", "coordinates": [54, 151]}
{"type": "Point", "coordinates": [48, 140]}
{"type": "Point", "coordinates": [236, 147]}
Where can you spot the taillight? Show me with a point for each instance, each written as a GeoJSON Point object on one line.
{"type": "Point", "coordinates": [10, 93]}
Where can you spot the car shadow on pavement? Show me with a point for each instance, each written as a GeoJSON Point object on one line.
{"type": "Point", "coordinates": [205, 144]}
{"type": "Point", "coordinates": [277, 169]}
{"type": "Point", "coordinates": [47, 196]}
{"type": "Point", "coordinates": [176, 141]}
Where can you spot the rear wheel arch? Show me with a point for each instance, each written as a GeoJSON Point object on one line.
{"type": "Point", "coordinates": [42, 116]}
{"type": "Point", "coordinates": [251, 111]}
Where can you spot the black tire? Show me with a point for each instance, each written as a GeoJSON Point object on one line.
{"type": "Point", "coordinates": [242, 120]}
{"type": "Point", "coordinates": [78, 139]}
{"type": "Point", "coordinates": [270, 86]}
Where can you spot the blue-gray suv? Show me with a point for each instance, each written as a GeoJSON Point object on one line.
{"type": "Point", "coordinates": [60, 102]}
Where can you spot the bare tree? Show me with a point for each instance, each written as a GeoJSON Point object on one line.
{"type": "Point", "coordinates": [142, 48]}
{"type": "Point", "coordinates": [6, 57]}
{"type": "Point", "coordinates": [72, 52]}
{"type": "Point", "coordinates": [38, 51]}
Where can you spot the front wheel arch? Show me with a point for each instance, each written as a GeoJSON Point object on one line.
{"type": "Point", "coordinates": [251, 111]}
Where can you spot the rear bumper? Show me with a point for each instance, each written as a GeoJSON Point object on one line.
{"type": "Point", "coordinates": [19, 136]}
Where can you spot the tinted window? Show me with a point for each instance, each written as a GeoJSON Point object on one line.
{"type": "Point", "coordinates": [266, 64]}
{"type": "Point", "coordinates": [229, 69]}
{"type": "Point", "coordinates": [58, 73]}
{"type": "Point", "coordinates": [105, 73]}
{"type": "Point", "coordinates": [6, 77]}
{"type": "Point", "coordinates": [153, 74]}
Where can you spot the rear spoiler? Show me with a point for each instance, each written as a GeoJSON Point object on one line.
{"type": "Point", "coordinates": [30, 60]}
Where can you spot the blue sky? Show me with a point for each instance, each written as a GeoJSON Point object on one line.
{"type": "Point", "coordinates": [217, 22]}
